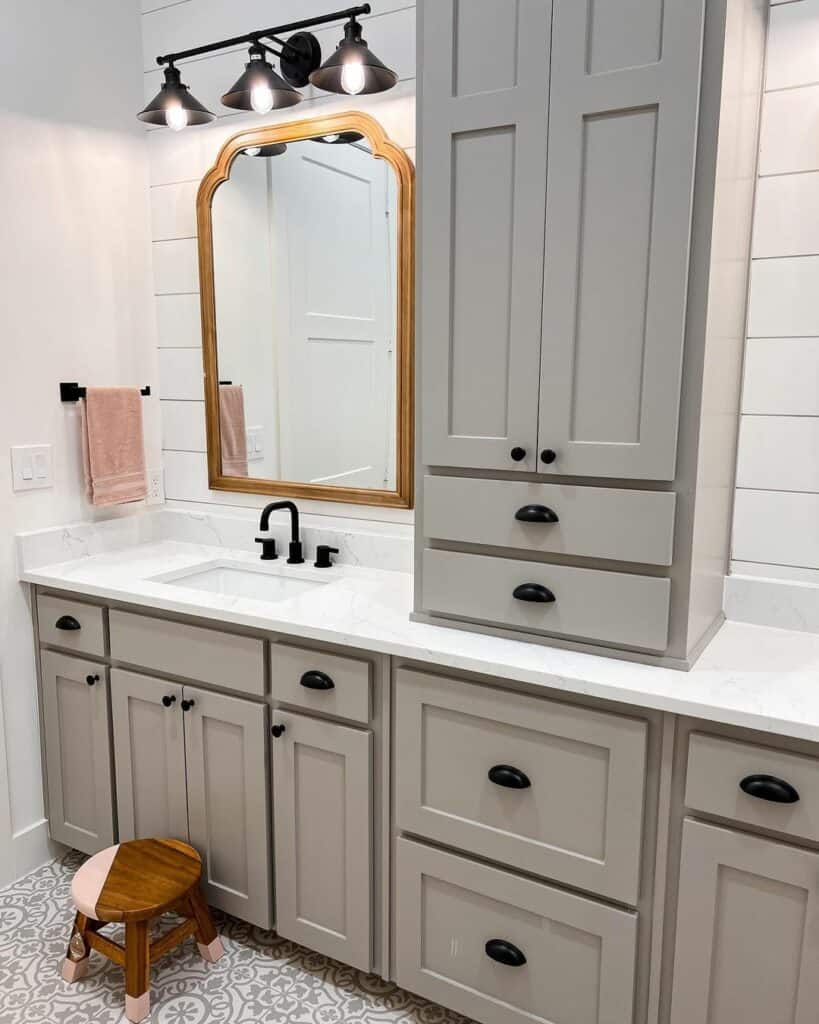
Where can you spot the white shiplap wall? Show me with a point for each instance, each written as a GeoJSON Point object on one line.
{"type": "Point", "coordinates": [776, 522]}
{"type": "Point", "coordinates": [179, 161]}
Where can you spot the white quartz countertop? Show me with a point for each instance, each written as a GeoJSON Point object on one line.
{"type": "Point", "coordinates": [762, 678]}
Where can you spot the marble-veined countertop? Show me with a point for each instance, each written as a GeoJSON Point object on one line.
{"type": "Point", "coordinates": [754, 676]}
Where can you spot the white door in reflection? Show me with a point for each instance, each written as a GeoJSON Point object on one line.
{"type": "Point", "coordinates": [334, 309]}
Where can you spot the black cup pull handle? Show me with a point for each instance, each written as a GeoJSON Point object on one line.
{"type": "Point", "coordinates": [168, 700]}
{"type": "Point", "coordinates": [278, 730]}
{"type": "Point", "coordinates": [92, 679]}
{"type": "Point", "coordinates": [503, 952]}
{"type": "Point", "coordinates": [533, 592]}
{"type": "Point", "coordinates": [536, 514]}
{"type": "Point", "coordinates": [315, 680]}
{"type": "Point", "coordinates": [767, 787]}
{"type": "Point", "coordinates": [511, 778]}
{"type": "Point", "coordinates": [67, 622]}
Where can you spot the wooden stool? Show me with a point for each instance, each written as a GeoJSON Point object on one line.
{"type": "Point", "coordinates": [133, 883]}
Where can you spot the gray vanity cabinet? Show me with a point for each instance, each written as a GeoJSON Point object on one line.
{"type": "Point", "coordinates": [618, 105]}
{"type": "Point", "coordinates": [623, 110]}
{"type": "Point", "coordinates": [196, 770]}
{"type": "Point", "coordinates": [747, 930]}
{"type": "Point", "coordinates": [484, 83]}
{"type": "Point", "coordinates": [322, 793]}
{"type": "Point", "coordinates": [582, 286]}
{"type": "Point", "coordinates": [149, 757]}
{"type": "Point", "coordinates": [78, 751]}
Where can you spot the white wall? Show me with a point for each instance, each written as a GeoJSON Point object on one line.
{"type": "Point", "coordinates": [74, 305]}
{"type": "Point", "coordinates": [776, 520]}
{"type": "Point", "coordinates": [179, 161]}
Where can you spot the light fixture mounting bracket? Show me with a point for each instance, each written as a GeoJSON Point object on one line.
{"type": "Point", "coordinates": [301, 55]}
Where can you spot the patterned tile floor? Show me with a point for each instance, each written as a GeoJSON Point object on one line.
{"type": "Point", "coordinates": [262, 979]}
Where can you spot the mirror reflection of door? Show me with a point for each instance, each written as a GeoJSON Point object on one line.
{"type": "Point", "coordinates": [305, 286]}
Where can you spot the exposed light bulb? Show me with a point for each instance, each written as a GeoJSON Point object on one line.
{"type": "Point", "coordinates": [253, 150]}
{"type": "Point", "coordinates": [176, 117]}
{"type": "Point", "coordinates": [352, 77]}
{"type": "Point", "coordinates": [332, 138]}
{"type": "Point", "coordinates": [261, 98]}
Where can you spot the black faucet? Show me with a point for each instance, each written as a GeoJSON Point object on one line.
{"type": "Point", "coordinates": [269, 543]}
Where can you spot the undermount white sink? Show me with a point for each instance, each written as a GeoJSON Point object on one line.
{"type": "Point", "coordinates": [237, 579]}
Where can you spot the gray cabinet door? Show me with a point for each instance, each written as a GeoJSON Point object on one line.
{"type": "Point", "coordinates": [149, 757]}
{"type": "Point", "coordinates": [228, 801]}
{"type": "Point", "coordinates": [78, 752]}
{"type": "Point", "coordinates": [482, 120]}
{"type": "Point", "coordinates": [622, 142]}
{"type": "Point", "coordinates": [747, 931]}
{"type": "Point", "coordinates": [322, 791]}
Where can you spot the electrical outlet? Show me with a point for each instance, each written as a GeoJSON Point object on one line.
{"type": "Point", "coordinates": [156, 490]}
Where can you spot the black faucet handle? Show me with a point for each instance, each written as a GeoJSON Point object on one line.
{"type": "Point", "coordinates": [268, 548]}
{"type": "Point", "coordinates": [323, 552]}
{"type": "Point", "coordinates": [296, 554]}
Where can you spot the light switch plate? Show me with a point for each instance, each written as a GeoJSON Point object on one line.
{"type": "Point", "coordinates": [31, 467]}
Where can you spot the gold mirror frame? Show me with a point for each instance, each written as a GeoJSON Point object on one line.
{"type": "Point", "coordinates": [382, 148]}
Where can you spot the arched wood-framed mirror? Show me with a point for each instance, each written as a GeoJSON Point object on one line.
{"type": "Point", "coordinates": [306, 264]}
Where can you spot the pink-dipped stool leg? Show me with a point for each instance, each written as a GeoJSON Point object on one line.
{"type": "Point", "coordinates": [207, 938]}
{"type": "Point", "coordinates": [75, 965]}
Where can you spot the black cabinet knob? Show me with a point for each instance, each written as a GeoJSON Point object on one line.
{"type": "Point", "coordinates": [186, 705]}
{"type": "Point", "coordinates": [67, 622]}
{"type": "Point", "coordinates": [92, 679]}
{"type": "Point", "coordinates": [533, 592]}
{"type": "Point", "coordinates": [278, 730]}
{"type": "Point", "coordinates": [315, 680]}
{"type": "Point", "coordinates": [503, 952]}
{"type": "Point", "coordinates": [168, 700]}
{"type": "Point", "coordinates": [536, 514]}
{"type": "Point", "coordinates": [509, 777]}
{"type": "Point", "coordinates": [766, 787]}
{"type": "Point", "coordinates": [518, 454]}
{"type": "Point", "coordinates": [548, 455]}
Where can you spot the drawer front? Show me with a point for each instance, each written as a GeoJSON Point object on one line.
{"type": "Point", "coordinates": [568, 804]}
{"type": "Point", "coordinates": [321, 682]}
{"type": "Point", "coordinates": [717, 768]}
{"type": "Point", "coordinates": [451, 913]}
{"type": "Point", "coordinates": [614, 607]}
{"type": "Point", "coordinates": [222, 659]}
{"type": "Point", "coordinates": [592, 522]}
{"type": "Point", "coordinates": [71, 624]}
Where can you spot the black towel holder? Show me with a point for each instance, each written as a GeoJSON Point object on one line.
{"type": "Point", "coordinates": [70, 391]}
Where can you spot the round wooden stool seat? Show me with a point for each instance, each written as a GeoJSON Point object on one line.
{"type": "Point", "coordinates": [136, 881]}
{"type": "Point", "coordinates": [133, 883]}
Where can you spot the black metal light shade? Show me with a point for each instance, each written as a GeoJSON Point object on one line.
{"type": "Point", "coordinates": [259, 88]}
{"type": "Point", "coordinates": [271, 149]}
{"type": "Point", "coordinates": [174, 105]}
{"type": "Point", "coordinates": [353, 68]}
{"type": "Point", "coordinates": [338, 139]}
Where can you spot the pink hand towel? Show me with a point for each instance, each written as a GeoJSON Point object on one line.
{"type": "Point", "coordinates": [233, 430]}
{"type": "Point", "coordinates": [112, 446]}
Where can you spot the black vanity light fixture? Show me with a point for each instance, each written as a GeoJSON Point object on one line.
{"type": "Point", "coordinates": [271, 149]}
{"type": "Point", "coordinates": [353, 69]}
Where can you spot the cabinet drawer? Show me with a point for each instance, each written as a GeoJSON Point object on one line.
{"type": "Point", "coordinates": [593, 522]}
{"type": "Point", "coordinates": [321, 682]}
{"type": "Point", "coordinates": [223, 659]}
{"type": "Point", "coordinates": [588, 604]}
{"type": "Point", "coordinates": [579, 819]}
{"type": "Point", "coordinates": [451, 913]}
{"type": "Point", "coordinates": [71, 624]}
{"type": "Point", "coordinates": [717, 768]}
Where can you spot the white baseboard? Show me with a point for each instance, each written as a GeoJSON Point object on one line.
{"type": "Point", "coordinates": [784, 604]}
{"type": "Point", "coordinates": [31, 847]}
